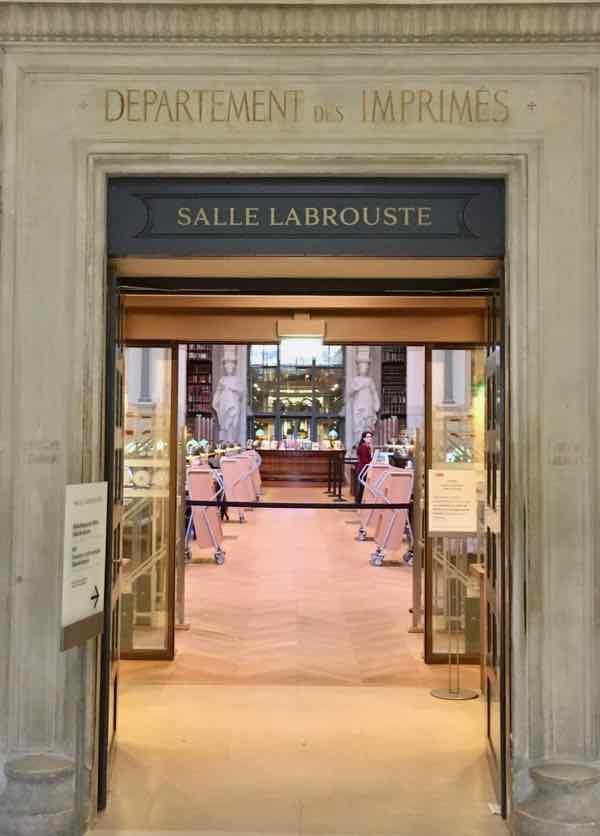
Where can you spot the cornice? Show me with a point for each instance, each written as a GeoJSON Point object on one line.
{"type": "Point", "coordinates": [323, 23]}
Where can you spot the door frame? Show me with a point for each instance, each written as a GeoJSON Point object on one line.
{"type": "Point", "coordinates": [168, 654]}
{"type": "Point", "coordinates": [514, 165]}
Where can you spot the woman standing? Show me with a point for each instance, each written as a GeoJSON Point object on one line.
{"type": "Point", "coordinates": [364, 453]}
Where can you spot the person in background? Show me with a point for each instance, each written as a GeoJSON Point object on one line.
{"type": "Point", "coordinates": [364, 453]}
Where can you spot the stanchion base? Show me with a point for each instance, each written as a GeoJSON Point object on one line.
{"type": "Point", "coordinates": [460, 694]}
{"type": "Point", "coordinates": [185, 626]}
{"type": "Point", "coordinates": [416, 629]}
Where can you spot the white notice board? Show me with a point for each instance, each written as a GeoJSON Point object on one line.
{"type": "Point", "coordinates": [452, 501]}
{"type": "Point", "coordinates": [84, 559]}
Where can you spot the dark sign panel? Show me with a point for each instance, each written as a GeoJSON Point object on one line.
{"type": "Point", "coordinates": [392, 217]}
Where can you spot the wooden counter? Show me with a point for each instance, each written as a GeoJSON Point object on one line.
{"type": "Point", "coordinates": [298, 465]}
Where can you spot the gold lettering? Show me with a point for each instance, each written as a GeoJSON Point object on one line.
{"type": "Point", "coordinates": [251, 216]}
{"type": "Point", "coordinates": [329, 216]}
{"type": "Point", "coordinates": [201, 218]}
{"type": "Point", "coordinates": [442, 99]}
{"type": "Point", "coordinates": [386, 110]}
{"type": "Point", "coordinates": [349, 210]}
{"type": "Point", "coordinates": [407, 97]}
{"type": "Point", "coordinates": [499, 100]}
{"type": "Point", "coordinates": [298, 98]}
{"type": "Point", "coordinates": [273, 217]}
{"type": "Point", "coordinates": [150, 99]}
{"type": "Point", "coordinates": [200, 103]}
{"type": "Point", "coordinates": [365, 216]}
{"type": "Point", "coordinates": [182, 98]}
{"type": "Point", "coordinates": [405, 211]}
{"type": "Point", "coordinates": [311, 216]}
{"type": "Point", "coordinates": [111, 115]}
{"type": "Point", "coordinates": [216, 101]}
{"type": "Point", "coordinates": [482, 105]}
{"type": "Point", "coordinates": [133, 102]}
{"type": "Point", "coordinates": [275, 104]}
{"type": "Point", "coordinates": [163, 103]}
{"type": "Point", "coordinates": [184, 216]}
{"type": "Point", "coordinates": [234, 220]}
{"type": "Point", "coordinates": [217, 219]}
{"type": "Point", "coordinates": [464, 113]}
{"type": "Point", "coordinates": [425, 99]}
{"type": "Point", "coordinates": [292, 218]}
{"type": "Point", "coordinates": [258, 106]}
{"type": "Point", "coordinates": [390, 216]}
{"type": "Point", "coordinates": [238, 110]}
{"type": "Point", "coordinates": [424, 216]}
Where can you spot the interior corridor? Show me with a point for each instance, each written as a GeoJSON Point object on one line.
{"type": "Point", "coordinates": [298, 703]}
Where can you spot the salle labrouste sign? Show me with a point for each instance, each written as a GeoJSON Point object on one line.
{"type": "Point", "coordinates": [306, 216]}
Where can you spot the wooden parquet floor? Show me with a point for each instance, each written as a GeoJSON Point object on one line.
{"type": "Point", "coordinates": [296, 602]}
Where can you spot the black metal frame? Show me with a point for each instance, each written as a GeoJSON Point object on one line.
{"type": "Point", "coordinates": [104, 731]}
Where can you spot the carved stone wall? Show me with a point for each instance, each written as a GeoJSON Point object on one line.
{"type": "Point", "coordinates": [302, 23]}
{"type": "Point", "coordinates": [57, 152]}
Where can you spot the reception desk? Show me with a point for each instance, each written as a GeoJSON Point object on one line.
{"type": "Point", "coordinates": [299, 465]}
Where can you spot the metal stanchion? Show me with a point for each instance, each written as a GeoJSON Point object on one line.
{"type": "Point", "coordinates": [180, 541]}
{"type": "Point", "coordinates": [418, 541]}
{"type": "Point", "coordinates": [454, 614]}
{"type": "Point", "coordinates": [330, 486]}
{"type": "Point", "coordinates": [339, 478]}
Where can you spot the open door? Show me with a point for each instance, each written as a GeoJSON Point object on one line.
{"type": "Point", "coordinates": [113, 467]}
{"type": "Point", "coordinates": [497, 578]}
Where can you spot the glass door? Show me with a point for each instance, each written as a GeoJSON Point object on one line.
{"type": "Point", "coordinates": [149, 502]}
{"type": "Point", "coordinates": [497, 580]}
{"type": "Point", "coordinates": [455, 407]}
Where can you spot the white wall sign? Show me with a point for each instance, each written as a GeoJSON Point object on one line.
{"type": "Point", "coordinates": [452, 500]}
{"type": "Point", "coordinates": [84, 557]}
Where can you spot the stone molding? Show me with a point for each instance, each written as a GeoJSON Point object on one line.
{"type": "Point", "coordinates": [300, 24]}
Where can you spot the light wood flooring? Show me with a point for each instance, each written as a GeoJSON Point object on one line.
{"type": "Point", "coordinates": [298, 703]}
{"type": "Point", "coordinates": [296, 602]}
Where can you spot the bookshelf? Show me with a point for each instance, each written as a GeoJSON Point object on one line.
{"type": "Point", "coordinates": [393, 383]}
{"type": "Point", "coordinates": [199, 382]}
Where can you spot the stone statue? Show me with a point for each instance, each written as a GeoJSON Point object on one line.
{"type": "Point", "coordinates": [227, 401]}
{"type": "Point", "coordinates": [364, 399]}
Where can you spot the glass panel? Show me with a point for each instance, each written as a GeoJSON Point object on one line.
{"type": "Point", "coordinates": [263, 389]}
{"type": "Point", "coordinates": [329, 390]}
{"type": "Point", "coordinates": [262, 429]}
{"type": "Point", "coordinates": [296, 392]}
{"type": "Point", "coordinates": [457, 442]}
{"type": "Point", "coordinates": [297, 429]}
{"type": "Point", "coordinates": [299, 351]}
{"type": "Point", "coordinates": [327, 425]}
{"type": "Point", "coordinates": [147, 473]}
{"type": "Point", "coordinates": [330, 355]}
{"type": "Point", "coordinates": [263, 355]}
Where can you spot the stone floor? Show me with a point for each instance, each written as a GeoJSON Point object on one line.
{"type": "Point", "coordinates": [298, 703]}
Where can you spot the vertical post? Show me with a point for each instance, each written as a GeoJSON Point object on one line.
{"type": "Point", "coordinates": [418, 508]}
{"type": "Point", "coordinates": [428, 445]}
{"type": "Point", "coordinates": [172, 501]}
{"type": "Point", "coordinates": [454, 606]}
{"type": "Point", "coordinates": [338, 463]}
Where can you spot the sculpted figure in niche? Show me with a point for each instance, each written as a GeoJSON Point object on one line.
{"type": "Point", "coordinates": [227, 401]}
{"type": "Point", "coordinates": [364, 399]}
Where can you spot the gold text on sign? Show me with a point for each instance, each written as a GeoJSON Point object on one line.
{"type": "Point", "coordinates": [272, 216]}
{"type": "Point", "coordinates": [444, 106]}
{"type": "Point", "coordinates": [203, 105]}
